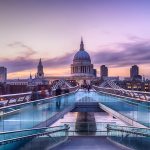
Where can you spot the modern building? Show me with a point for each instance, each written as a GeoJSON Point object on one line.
{"type": "Point", "coordinates": [136, 85]}
{"type": "Point", "coordinates": [134, 71]}
{"type": "Point", "coordinates": [103, 71]}
{"type": "Point", "coordinates": [95, 72]}
{"type": "Point", "coordinates": [82, 66]}
{"type": "Point", "coordinates": [3, 74]}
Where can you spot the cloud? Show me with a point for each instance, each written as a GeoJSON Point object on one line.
{"type": "Point", "coordinates": [27, 51]}
{"type": "Point", "coordinates": [137, 52]}
{"type": "Point", "coordinates": [125, 54]}
{"type": "Point", "coordinates": [22, 63]}
{"type": "Point", "coordinates": [59, 61]}
{"type": "Point", "coordinates": [25, 61]}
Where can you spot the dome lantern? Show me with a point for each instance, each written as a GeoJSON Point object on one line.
{"type": "Point", "coordinates": [81, 45]}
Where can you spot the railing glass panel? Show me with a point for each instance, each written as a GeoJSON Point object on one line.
{"type": "Point", "coordinates": [136, 110]}
{"type": "Point", "coordinates": [88, 128]}
{"type": "Point", "coordinates": [136, 138]}
{"type": "Point", "coordinates": [31, 114]}
{"type": "Point", "coordinates": [33, 138]}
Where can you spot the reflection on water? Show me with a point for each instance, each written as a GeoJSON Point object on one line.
{"type": "Point", "coordinates": [58, 103]}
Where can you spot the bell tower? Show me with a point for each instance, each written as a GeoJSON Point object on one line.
{"type": "Point", "coordinates": [40, 73]}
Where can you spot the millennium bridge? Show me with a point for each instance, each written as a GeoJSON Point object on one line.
{"type": "Point", "coordinates": [102, 118]}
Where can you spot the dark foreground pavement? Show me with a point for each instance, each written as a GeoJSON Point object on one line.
{"type": "Point", "coordinates": [87, 143]}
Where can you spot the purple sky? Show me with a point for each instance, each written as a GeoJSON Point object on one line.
{"type": "Point", "coordinates": [115, 33]}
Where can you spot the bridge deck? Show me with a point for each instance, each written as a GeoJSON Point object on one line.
{"type": "Point", "coordinates": [87, 143]}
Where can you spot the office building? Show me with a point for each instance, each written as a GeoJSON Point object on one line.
{"type": "Point", "coordinates": [3, 74]}
{"type": "Point", "coordinates": [103, 71]}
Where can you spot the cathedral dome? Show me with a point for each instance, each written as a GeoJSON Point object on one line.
{"type": "Point", "coordinates": [82, 66]}
{"type": "Point", "coordinates": [82, 55]}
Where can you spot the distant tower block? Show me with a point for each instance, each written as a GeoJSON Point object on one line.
{"type": "Point", "coordinates": [134, 71]}
{"type": "Point", "coordinates": [40, 73]}
{"type": "Point", "coordinates": [3, 74]}
{"type": "Point", "coordinates": [103, 71]}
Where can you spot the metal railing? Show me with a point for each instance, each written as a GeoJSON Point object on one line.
{"type": "Point", "coordinates": [136, 110]}
{"type": "Point", "coordinates": [131, 137]}
{"type": "Point", "coordinates": [21, 138]}
{"type": "Point", "coordinates": [60, 83]}
{"type": "Point", "coordinates": [88, 128]}
{"type": "Point", "coordinates": [11, 99]}
{"type": "Point", "coordinates": [15, 98]}
{"type": "Point", "coordinates": [35, 113]}
{"type": "Point", "coordinates": [138, 95]}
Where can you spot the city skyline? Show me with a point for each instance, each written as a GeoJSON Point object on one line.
{"type": "Point", "coordinates": [115, 33]}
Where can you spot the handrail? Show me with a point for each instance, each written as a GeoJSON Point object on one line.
{"type": "Point", "coordinates": [132, 138]}
{"type": "Point", "coordinates": [127, 97]}
{"type": "Point", "coordinates": [10, 140]}
{"type": "Point", "coordinates": [27, 93]}
{"type": "Point", "coordinates": [90, 122]}
{"type": "Point", "coordinates": [121, 129]}
{"type": "Point", "coordinates": [48, 98]}
{"type": "Point", "coordinates": [144, 92]}
{"type": "Point", "coordinates": [18, 94]}
{"type": "Point", "coordinates": [7, 132]}
{"type": "Point", "coordinates": [130, 127]}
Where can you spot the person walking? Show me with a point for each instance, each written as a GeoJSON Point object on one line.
{"type": "Point", "coordinates": [34, 94]}
{"type": "Point", "coordinates": [88, 87]}
{"type": "Point", "coordinates": [58, 91]}
{"type": "Point", "coordinates": [43, 93]}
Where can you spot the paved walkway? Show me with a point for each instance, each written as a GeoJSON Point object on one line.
{"type": "Point", "coordinates": [87, 143]}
